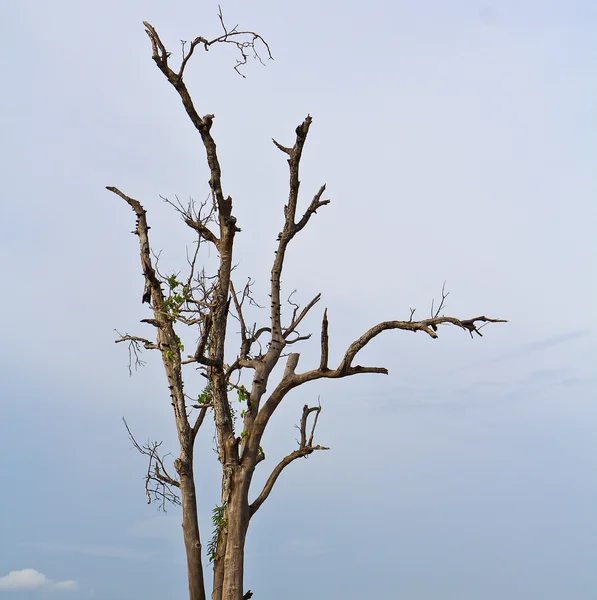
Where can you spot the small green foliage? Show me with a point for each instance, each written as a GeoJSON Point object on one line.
{"type": "Point", "coordinates": [243, 396]}
{"type": "Point", "coordinates": [243, 393]}
{"type": "Point", "coordinates": [169, 356]}
{"type": "Point", "coordinates": [205, 397]}
{"type": "Point", "coordinates": [180, 344]}
{"type": "Point", "coordinates": [244, 434]}
{"type": "Point", "coordinates": [176, 297]}
{"type": "Point", "coordinates": [218, 518]}
{"type": "Point", "coordinates": [173, 283]}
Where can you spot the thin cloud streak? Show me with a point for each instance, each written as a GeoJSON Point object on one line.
{"type": "Point", "coordinates": [95, 550]}
{"type": "Point", "coordinates": [532, 347]}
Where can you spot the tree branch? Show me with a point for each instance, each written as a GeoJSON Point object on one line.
{"type": "Point", "coordinates": [167, 340]}
{"type": "Point", "coordinates": [134, 349]}
{"type": "Point", "coordinates": [245, 344]}
{"type": "Point", "coordinates": [323, 365]}
{"type": "Point", "coordinates": [133, 338]}
{"type": "Point", "coordinates": [199, 420]}
{"type": "Point", "coordinates": [194, 220]}
{"type": "Point", "coordinates": [156, 474]}
{"type": "Point", "coordinates": [290, 229]}
{"type": "Point", "coordinates": [153, 291]}
{"type": "Point", "coordinates": [203, 231]}
{"type": "Point", "coordinates": [429, 326]}
{"type": "Point", "coordinates": [305, 448]}
{"type": "Point", "coordinates": [296, 320]}
{"type": "Point", "coordinates": [291, 379]}
{"type": "Point", "coordinates": [315, 204]}
{"type": "Point", "coordinates": [232, 36]}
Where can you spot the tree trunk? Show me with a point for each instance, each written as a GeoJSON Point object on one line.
{"type": "Point", "coordinates": [192, 541]}
{"type": "Point", "coordinates": [218, 581]}
{"type": "Point", "coordinates": [234, 559]}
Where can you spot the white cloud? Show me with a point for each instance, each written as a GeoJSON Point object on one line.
{"type": "Point", "coordinates": [30, 579]}
{"type": "Point", "coordinates": [25, 579]}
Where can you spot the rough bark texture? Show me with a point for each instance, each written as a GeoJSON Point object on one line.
{"type": "Point", "coordinates": [207, 303]}
{"type": "Point", "coordinates": [192, 538]}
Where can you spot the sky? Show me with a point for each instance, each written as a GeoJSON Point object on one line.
{"type": "Point", "coordinates": [457, 141]}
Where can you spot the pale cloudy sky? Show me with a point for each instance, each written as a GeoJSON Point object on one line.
{"type": "Point", "coordinates": [457, 139]}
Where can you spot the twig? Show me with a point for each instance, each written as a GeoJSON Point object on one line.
{"type": "Point", "coordinates": [156, 473]}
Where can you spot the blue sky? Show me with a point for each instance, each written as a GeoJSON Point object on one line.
{"type": "Point", "coordinates": [457, 140]}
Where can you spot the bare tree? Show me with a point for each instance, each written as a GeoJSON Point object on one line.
{"type": "Point", "coordinates": [207, 303]}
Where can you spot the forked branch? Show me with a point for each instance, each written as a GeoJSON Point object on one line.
{"type": "Point", "coordinates": [134, 348]}
{"type": "Point", "coordinates": [159, 485]}
{"type": "Point", "coordinates": [305, 448]}
{"type": "Point", "coordinates": [245, 41]}
{"type": "Point", "coordinates": [428, 326]}
{"type": "Point", "coordinates": [298, 317]}
{"type": "Point", "coordinates": [291, 379]}
{"type": "Point", "coordinates": [291, 227]}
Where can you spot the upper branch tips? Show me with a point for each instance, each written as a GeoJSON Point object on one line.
{"type": "Point", "coordinates": [245, 41]}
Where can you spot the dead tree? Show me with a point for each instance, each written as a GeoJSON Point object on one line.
{"type": "Point", "coordinates": [207, 303]}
